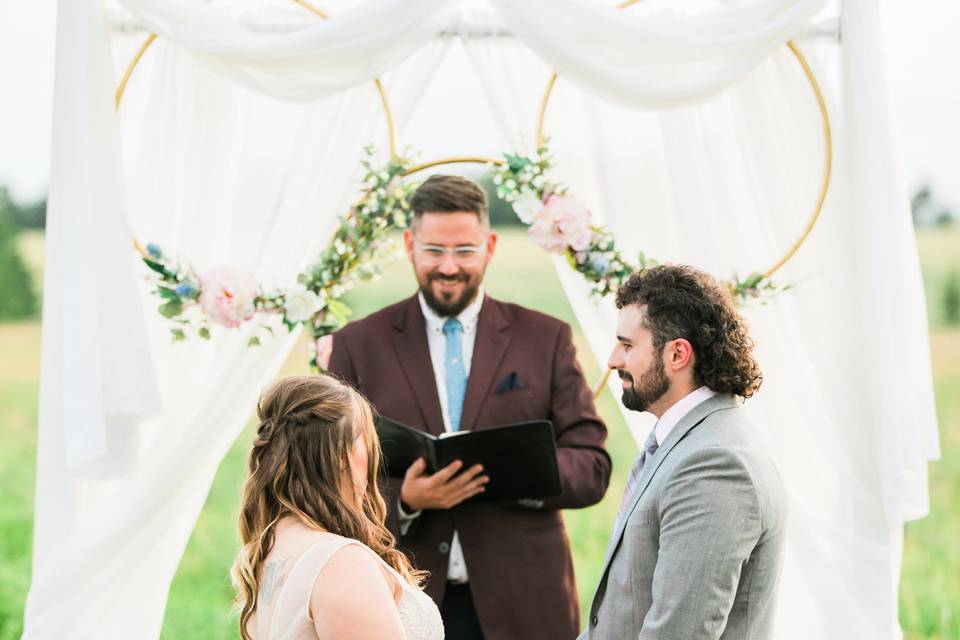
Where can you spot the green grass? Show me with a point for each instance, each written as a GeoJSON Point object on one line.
{"type": "Point", "coordinates": [930, 583]}
{"type": "Point", "coordinates": [200, 597]}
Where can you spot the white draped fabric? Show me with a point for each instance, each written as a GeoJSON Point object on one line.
{"type": "Point", "coordinates": [201, 161]}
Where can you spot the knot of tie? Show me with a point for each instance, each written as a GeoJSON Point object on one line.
{"type": "Point", "coordinates": [651, 445]}
{"type": "Point", "coordinates": [452, 327]}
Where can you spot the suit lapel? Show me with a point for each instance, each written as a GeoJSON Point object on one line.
{"type": "Point", "coordinates": [488, 351]}
{"type": "Point", "coordinates": [409, 339]}
{"type": "Point", "coordinates": [696, 415]}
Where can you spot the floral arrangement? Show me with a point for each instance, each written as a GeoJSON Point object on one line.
{"type": "Point", "coordinates": [560, 223]}
{"type": "Point", "coordinates": [231, 297]}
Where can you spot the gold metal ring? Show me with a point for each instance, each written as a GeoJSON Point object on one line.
{"type": "Point", "coordinates": [827, 142]}
{"type": "Point", "coordinates": [388, 112]}
{"type": "Point", "coordinates": [454, 160]}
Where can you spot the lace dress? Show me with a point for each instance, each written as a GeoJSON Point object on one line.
{"type": "Point", "coordinates": [289, 617]}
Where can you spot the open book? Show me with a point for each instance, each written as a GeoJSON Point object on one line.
{"type": "Point", "coordinates": [520, 459]}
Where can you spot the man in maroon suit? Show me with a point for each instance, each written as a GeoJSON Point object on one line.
{"type": "Point", "coordinates": [452, 358]}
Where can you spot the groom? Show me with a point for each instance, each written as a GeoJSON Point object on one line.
{"type": "Point", "coordinates": [698, 543]}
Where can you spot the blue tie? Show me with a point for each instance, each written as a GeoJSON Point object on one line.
{"type": "Point", "coordinates": [454, 373]}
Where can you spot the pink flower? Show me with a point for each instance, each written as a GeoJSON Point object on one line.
{"type": "Point", "coordinates": [324, 349]}
{"type": "Point", "coordinates": [227, 295]}
{"type": "Point", "coordinates": [562, 222]}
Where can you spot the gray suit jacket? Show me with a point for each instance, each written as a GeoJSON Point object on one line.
{"type": "Point", "coordinates": [699, 549]}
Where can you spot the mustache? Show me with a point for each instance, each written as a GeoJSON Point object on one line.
{"type": "Point", "coordinates": [624, 375]}
{"type": "Point", "coordinates": [459, 277]}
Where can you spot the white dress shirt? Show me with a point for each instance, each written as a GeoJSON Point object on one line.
{"type": "Point", "coordinates": [437, 343]}
{"type": "Point", "coordinates": [672, 416]}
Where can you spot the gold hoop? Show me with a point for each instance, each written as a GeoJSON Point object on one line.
{"type": "Point", "coordinates": [827, 141]}
{"type": "Point", "coordinates": [388, 112]}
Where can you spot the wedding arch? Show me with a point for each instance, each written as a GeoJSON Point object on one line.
{"type": "Point", "coordinates": [558, 222]}
{"type": "Point", "coordinates": [241, 144]}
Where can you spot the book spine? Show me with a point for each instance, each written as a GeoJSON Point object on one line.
{"type": "Point", "coordinates": [431, 454]}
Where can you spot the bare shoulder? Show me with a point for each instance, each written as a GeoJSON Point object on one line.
{"type": "Point", "coordinates": [352, 595]}
{"type": "Point", "coordinates": [351, 562]}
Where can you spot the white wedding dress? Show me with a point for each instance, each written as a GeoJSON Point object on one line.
{"type": "Point", "coordinates": [288, 616]}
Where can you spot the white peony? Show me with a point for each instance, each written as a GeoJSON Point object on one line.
{"type": "Point", "coordinates": [300, 304]}
{"type": "Point", "coordinates": [527, 206]}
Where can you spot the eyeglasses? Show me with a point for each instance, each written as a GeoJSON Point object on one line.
{"type": "Point", "coordinates": [464, 256]}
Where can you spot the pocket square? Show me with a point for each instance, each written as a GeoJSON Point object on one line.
{"type": "Point", "coordinates": [510, 382]}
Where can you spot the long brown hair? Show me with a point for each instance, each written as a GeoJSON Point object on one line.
{"type": "Point", "coordinates": [300, 467]}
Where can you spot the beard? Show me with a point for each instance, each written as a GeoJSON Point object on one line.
{"type": "Point", "coordinates": [652, 386]}
{"type": "Point", "coordinates": [449, 305]}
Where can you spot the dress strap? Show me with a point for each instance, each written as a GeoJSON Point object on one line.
{"type": "Point", "coordinates": [293, 602]}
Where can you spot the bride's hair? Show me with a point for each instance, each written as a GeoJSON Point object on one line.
{"type": "Point", "coordinates": [300, 467]}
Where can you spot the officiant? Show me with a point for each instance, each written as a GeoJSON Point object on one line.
{"type": "Point", "coordinates": [452, 358]}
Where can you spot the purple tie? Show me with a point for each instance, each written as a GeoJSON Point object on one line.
{"type": "Point", "coordinates": [649, 448]}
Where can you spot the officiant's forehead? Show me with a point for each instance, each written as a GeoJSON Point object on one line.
{"type": "Point", "coordinates": [450, 228]}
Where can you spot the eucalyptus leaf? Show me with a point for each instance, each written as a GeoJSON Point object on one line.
{"type": "Point", "coordinates": [171, 308]}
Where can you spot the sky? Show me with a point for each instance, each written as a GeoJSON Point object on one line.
{"type": "Point", "coordinates": [922, 56]}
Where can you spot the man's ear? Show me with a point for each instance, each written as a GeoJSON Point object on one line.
{"type": "Point", "coordinates": [408, 243]}
{"type": "Point", "coordinates": [680, 354]}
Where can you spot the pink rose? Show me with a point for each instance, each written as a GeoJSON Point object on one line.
{"type": "Point", "coordinates": [324, 349]}
{"type": "Point", "coordinates": [562, 222]}
{"type": "Point", "coordinates": [227, 295]}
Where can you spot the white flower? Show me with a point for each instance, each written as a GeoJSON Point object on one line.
{"type": "Point", "coordinates": [527, 206]}
{"type": "Point", "coordinates": [301, 304]}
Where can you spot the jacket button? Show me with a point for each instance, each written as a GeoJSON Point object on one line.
{"type": "Point", "coordinates": [594, 620]}
{"type": "Point", "coordinates": [444, 547]}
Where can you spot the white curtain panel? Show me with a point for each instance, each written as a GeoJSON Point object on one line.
{"type": "Point", "coordinates": [132, 429]}
{"type": "Point", "coordinates": [301, 57]}
{"type": "Point", "coordinates": [656, 60]}
{"type": "Point", "coordinates": [847, 404]}
{"type": "Point", "coordinates": [217, 174]}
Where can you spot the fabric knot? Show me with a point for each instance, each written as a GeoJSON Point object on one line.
{"type": "Point", "coordinates": [452, 327]}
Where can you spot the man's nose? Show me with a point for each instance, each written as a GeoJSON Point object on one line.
{"type": "Point", "coordinates": [448, 266]}
{"type": "Point", "coordinates": [614, 361]}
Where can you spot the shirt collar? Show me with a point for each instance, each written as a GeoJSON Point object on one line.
{"type": "Point", "coordinates": [672, 416]}
{"type": "Point", "coordinates": [468, 317]}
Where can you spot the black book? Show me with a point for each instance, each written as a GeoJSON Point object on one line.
{"type": "Point", "coordinates": [520, 459]}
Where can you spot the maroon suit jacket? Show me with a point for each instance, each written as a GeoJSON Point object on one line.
{"type": "Point", "coordinates": [518, 557]}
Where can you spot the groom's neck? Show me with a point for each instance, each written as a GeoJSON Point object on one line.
{"type": "Point", "coordinates": [678, 391]}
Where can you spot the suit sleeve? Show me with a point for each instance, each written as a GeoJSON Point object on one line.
{"type": "Point", "coordinates": [710, 522]}
{"type": "Point", "coordinates": [583, 461]}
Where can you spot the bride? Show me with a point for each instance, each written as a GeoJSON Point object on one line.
{"type": "Point", "coordinates": [317, 560]}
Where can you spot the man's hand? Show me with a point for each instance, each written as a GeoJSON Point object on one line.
{"type": "Point", "coordinates": [442, 490]}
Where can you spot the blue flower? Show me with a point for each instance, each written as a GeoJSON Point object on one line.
{"type": "Point", "coordinates": [186, 290]}
{"type": "Point", "coordinates": [600, 263]}
{"type": "Point", "coordinates": [154, 251]}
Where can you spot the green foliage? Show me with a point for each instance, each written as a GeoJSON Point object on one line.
{"type": "Point", "coordinates": [928, 211]}
{"type": "Point", "coordinates": [951, 299]}
{"type": "Point", "coordinates": [32, 215]}
{"type": "Point", "coordinates": [17, 299]}
{"type": "Point", "coordinates": [501, 211]}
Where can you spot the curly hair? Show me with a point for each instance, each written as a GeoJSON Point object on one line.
{"type": "Point", "coordinates": [682, 302]}
{"type": "Point", "coordinates": [308, 425]}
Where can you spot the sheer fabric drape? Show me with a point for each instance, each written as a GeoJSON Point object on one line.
{"type": "Point", "coordinates": [132, 428]}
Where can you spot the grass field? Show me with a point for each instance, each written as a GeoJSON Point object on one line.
{"type": "Point", "coordinates": [200, 596]}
